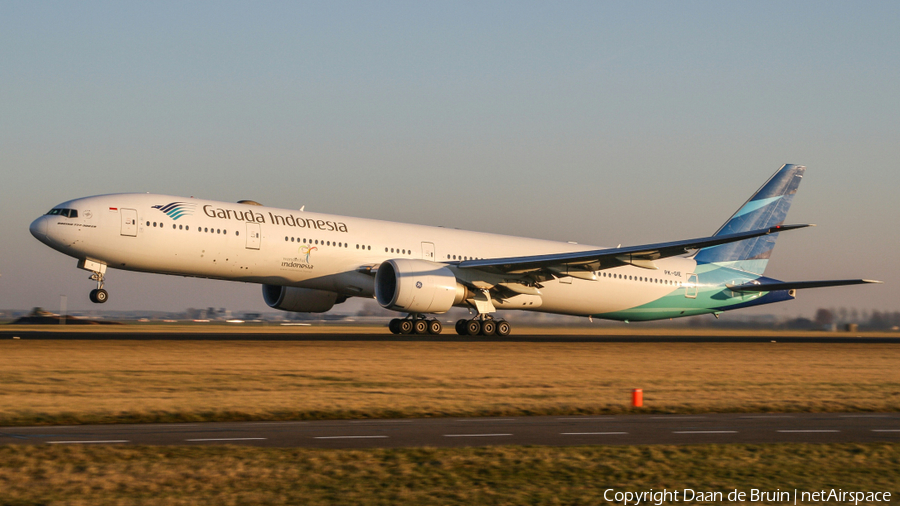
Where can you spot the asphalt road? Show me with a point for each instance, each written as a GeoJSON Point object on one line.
{"type": "Point", "coordinates": [437, 432]}
{"type": "Point", "coordinates": [447, 336]}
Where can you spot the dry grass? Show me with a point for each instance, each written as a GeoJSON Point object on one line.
{"type": "Point", "coordinates": [108, 381]}
{"type": "Point", "coordinates": [31, 475]}
{"type": "Point", "coordinates": [579, 328]}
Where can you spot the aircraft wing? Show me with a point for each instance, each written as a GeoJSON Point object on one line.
{"type": "Point", "coordinates": [796, 285]}
{"type": "Point", "coordinates": [582, 263]}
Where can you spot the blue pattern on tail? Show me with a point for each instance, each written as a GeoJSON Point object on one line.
{"type": "Point", "coordinates": [768, 207]}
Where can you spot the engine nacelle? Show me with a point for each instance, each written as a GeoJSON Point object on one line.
{"type": "Point", "coordinates": [298, 300]}
{"type": "Point", "coordinates": [417, 286]}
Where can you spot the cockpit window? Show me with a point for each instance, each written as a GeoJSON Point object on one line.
{"type": "Point", "coordinates": [68, 213]}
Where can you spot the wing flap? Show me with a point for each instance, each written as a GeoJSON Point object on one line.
{"type": "Point", "coordinates": [641, 255]}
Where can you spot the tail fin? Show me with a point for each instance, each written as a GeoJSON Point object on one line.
{"type": "Point", "coordinates": [767, 207]}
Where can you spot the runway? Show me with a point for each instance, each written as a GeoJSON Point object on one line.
{"type": "Point", "coordinates": [456, 432]}
{"type": "Point", "coordinates": [447, 336]}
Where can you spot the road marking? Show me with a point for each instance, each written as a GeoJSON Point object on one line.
{"type": "Point", "coordinates": [476, 435]}
{"type": "Point", "coordinates": [885, 430]}
{"type": "Point", "coordinates": [592, 433]}
{"type": "Point", "coordinates": [86, 442]}
{"type": "Point", "coordinates": [489, 420]}
{"type": "Point", "coordinates": [588, 418]}
{"type": "Point", "coordinates": [864, 416]}
{"type": "Point", "coordinates": [167, 425]}
{"type": "Point", "coordinates": [810, 430]}
{"type": "Point", "coordinates": [350, 437]}
{"type": "Point", "coordinates": [674, 417]}
{"type": "Point", "coordinates": [704, 432]}
{"type": "Point", "coordinates": [49, 427]}
{"type": "Point", "coordinates": [767, 416]}
{"type": "Point", "coordinates": [381, 421]}
{"type": "Point", "coordinates": [226, 439]}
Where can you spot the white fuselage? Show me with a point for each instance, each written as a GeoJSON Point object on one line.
{"type": "Point", "coordinates": [256, 244]}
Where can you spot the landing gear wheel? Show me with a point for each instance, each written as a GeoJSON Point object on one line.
{"type": "Point", "coordinates": [503, 328]}
{"type": "Point", "coordinates": [420, 327]}
{"type": "Point", "coordinates": [473, 327]}
{"type": "Point", "coordinates": [394, 326]}
{"type": "Point", "coordinates": [461, 327]}
{"type": "Point", "coordinates": [99, 295]}
{"type": "Point", "coordinates": [405, 326]}
{"type": "Point", "coordinates": [488, 327]}
{"type": "Point", "coordinates": [434, 327]}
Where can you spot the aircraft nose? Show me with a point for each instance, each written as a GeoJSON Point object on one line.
{"type": "Point", "coordinates": [38, 228]}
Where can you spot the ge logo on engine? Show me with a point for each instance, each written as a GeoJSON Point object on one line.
{"type": "Point", "coordinates": [418, 284]}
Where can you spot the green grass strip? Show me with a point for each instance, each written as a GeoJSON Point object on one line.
{"type": "Point", "coordinates": [225, 475]}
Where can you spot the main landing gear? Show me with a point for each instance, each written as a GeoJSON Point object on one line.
{"type": "Point", "coordinates": [415, 324]}
{"type": "Point", "coordinates": [482, 325]}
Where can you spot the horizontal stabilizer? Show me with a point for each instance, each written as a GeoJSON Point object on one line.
{"type": "Point", "coordinates": [796, 285]}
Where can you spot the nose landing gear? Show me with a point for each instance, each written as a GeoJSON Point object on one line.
{"type": "Point", "coordinates": [98, 272]}
{"type": "Point", "coordinates": [98, 295]}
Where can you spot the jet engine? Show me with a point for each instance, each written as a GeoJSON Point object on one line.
{"type": "Point", "coordinates": [299, 300]}
{"type": "Point", "coordinates": [417, 286]}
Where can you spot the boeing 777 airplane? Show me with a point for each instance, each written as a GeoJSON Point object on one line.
{"type": "Point", "coordinates": [308, 262]}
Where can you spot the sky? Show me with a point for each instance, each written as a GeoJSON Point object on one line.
{"type": "Point", "coordinates": [603, 123]}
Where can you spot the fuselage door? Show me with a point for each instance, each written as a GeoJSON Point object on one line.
{"type": "Point", "coordinates": [129, 222]}
{"type": "Point", "coordinates": [692, 287]}
{"type": "Point", "coordinates": [428, 251]}
{"type": "Point", "coordinates": [253, 236]}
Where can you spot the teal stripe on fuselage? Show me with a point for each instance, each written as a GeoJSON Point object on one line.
{"type": "Point", "coordinates": [712, 297]}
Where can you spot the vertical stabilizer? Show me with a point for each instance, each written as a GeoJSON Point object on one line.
{"type": "Point", "coordinates": [767, 207]}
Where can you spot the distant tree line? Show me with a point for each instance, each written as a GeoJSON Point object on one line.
{"type": "Point", "coordinates": [874, 320]}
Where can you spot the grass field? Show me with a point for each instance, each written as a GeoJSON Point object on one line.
{"type": "Point", "coordinates": [33, 475]}
{"type": "Point", "coordinates": [581, 327]}
{"type": "Point", "coordinates": [53, 382]}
